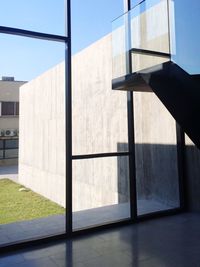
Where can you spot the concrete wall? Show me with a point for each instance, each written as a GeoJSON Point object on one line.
{"type": "Point", "coordinates": [99, 126]}
{"type": "Point", "coordinates": [156, 151]}
{"type": "Point", "coordinates": [42, 135]}
{"type": "Point", "coordinates": [99, 114]}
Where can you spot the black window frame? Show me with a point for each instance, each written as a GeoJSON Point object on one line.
{"type": "Point", "coordinates": [68, 134]}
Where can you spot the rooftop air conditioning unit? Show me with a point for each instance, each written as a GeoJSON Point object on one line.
{"type": "Point", "coordinates": [1, 132]}
{"type": "Point", "coordinates": [10, 132]}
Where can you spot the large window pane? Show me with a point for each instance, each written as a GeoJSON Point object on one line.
{"type": "Point", "coordinates": [33, 187]}
{"type": "Point", "coordinates": [185, 41]}
{"type": "Point", "coordinates": [156, 155]}
{"type": "Point", "coordinates": [31, 59]}
{"type": "Point", "coordinates": [99, 114]}
{"type": "Point", "coordinates": [100, 191]}
{"type": "Point", "coordinates": [91, 20]}
{"type": "Point", "coordinates": [36, 15]}
{"type": "Point", "coordinates": [141, 32]}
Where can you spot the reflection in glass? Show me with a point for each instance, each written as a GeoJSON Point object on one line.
{"type": "Point", "coordinates": [138, 34]}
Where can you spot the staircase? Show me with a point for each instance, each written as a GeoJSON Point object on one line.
{"type": "Point", "coordinates": [178, 91]}
{"type": "Point", "coordinates": [146, 42]}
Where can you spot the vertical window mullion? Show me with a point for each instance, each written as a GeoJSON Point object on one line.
{"type": "Point", "coordinates": [130, 121]}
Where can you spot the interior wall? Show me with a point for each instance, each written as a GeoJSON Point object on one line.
{"type": "Point", "coordinates": [192, 175]}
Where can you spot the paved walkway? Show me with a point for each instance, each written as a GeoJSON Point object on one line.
{"type": "Point", "coordinates": [10, 172]}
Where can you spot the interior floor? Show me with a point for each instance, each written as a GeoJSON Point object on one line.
{"type": "Point", "coordinates": [172, 241]}
{"type": "Point", "coordinates": [55, 224]}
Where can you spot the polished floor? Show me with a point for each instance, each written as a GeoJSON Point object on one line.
{"type": "Point", "coordinates": [55, 224]}
{"type": "Point", "coordinates": [166, 242]}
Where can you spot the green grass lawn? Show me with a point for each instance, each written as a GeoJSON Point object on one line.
{"type": "Point", "coordinates": [18, 205]}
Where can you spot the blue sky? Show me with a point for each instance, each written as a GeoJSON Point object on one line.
{"type": "Point", "coordinates": [92, 19]}
{"type": "Point", "coordinates": [26, 58]}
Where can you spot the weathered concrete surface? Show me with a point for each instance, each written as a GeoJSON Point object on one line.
{"type": "Point", "coordinates": [156, 151]}
{"type": "Point", "coordinates": [42, 135]}
{"type": "Point", "coordinates": [99, 125]}
{"type": "Point", "coordinates": [99, 114]}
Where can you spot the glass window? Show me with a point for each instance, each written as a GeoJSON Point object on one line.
{"type": "Point", "coordinates": [156, 155]}
{"type": "Point", "coordinates": [41, 160]}
{"type": "Point", "coordinates": [185, 42]}
{"type": "Point", "coordinates": [7, 108]}
{"type": "Point", "coordinates": [11, 143]}
{"type": "Point", "coordinates": [32, 57]}
{"type": "Point", "coordinates": [36, 15]}
{"type": "Point", "coordinates": [88, 24]}
{"type": "Point", "coordinates": [100, 191]}
{"type": "Point", "coordinates": [1, 144]}
{"type": "Point", "coordinates": [11, 153]}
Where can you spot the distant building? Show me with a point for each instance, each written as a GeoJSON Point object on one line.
{"type": "Point", "coordinates": [9, 120]}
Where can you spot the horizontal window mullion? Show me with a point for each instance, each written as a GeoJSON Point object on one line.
{"type": "Point", "coordinates": [9, 148]}
{"type": "Point", "coordinates": [100, 155]}
{"type": "Point", "coordinates": [33, 34]}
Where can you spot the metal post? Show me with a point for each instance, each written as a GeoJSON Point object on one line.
{"type": "Point", "coordinates": [68, 119]}
{"type": "Point", "coordinates": [180, 135]}
{"type": "Point", "coordinates": [131, 142]}
{"type": "Point", "coordinates": [169, 27]}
